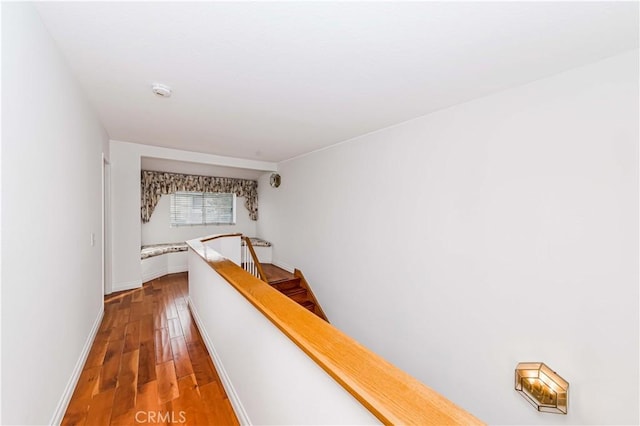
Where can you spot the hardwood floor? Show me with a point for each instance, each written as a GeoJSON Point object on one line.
{"type": "Point", "coordinates": [149, 365]}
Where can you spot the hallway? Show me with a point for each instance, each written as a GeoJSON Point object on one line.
{"type": "Point", "coordinates": [148, 364]}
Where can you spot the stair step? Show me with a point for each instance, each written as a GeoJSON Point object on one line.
{"type": "Point", "coordinates": [291, 286]}
{"type": "Point", "coordinates": [285, 284]}
{"type": "Point", "coordinates": [276, 274]}
{"type": "Point", "coordinates": [308, 305]}
{"type": "Point", "coordinates": [298, 294]}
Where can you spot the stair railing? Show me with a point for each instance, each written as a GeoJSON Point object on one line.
{"type": "Point", "coordinates": [250, 261]}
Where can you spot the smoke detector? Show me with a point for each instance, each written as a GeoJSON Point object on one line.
{"type": "Point", "coordinates": [161, 90]}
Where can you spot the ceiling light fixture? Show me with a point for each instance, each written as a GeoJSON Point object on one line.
{"type": "Point", "coordinates": [161, 90]}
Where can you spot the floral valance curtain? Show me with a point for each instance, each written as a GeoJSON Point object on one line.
{"type": "Point", "coordinates": [156, 184]}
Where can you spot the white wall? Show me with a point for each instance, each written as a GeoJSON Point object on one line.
{"type": "Point", "coordinates": [158, 231]}
{"type": "Point", "coordinates": [500, 230]}
{"type": "Point", "coordinates": [52, 200]}
{"type": "Point", "coordinates": [125, 190]}
{"type": "Point", "coordinates": [125, 216]}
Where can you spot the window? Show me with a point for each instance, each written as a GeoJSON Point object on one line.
{"type": "Point", "coordinates": [202, 208]}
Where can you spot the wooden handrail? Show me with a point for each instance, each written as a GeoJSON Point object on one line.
{"type": "Point", "coordinates": [215, 237]}
{"type": "Point", "coordinates": [247, 241]}
{"type": "Point", "coordinates": [256, 261]}
{"type": "Point", "coordinates": [389, 393]}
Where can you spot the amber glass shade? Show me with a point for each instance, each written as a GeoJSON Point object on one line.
{"type": "Point", "coordinates": [542, 387]}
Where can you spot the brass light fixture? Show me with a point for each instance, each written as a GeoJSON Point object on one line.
{"type": "Point", "coordinates": [274, 180]}
{"type": "Point", "coordinates": [542, 387]}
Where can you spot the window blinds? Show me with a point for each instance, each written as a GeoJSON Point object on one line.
{"type": "Point", "coordinates": [202, 208]}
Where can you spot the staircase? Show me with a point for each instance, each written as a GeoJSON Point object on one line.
{"type": "Point", "coordinates": [294, 286]}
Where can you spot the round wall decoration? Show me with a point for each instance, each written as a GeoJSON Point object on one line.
{"type": "Point", "coordinates": [275, 180]}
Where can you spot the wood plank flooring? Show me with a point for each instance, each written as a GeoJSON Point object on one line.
{"type": "Point", "coordinates": [149, 365]}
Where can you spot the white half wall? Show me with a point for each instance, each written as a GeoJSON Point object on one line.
{"type": "Point", "coordinates": [52, 146]}
{"type": "Point", "coordinates": [125, 190]}
{"type": "Point", "coordinates": [158, 230]}
{"type": "Point", "coordinates": [269, 380]}
{"type": "Point", "coordinates": [497, 231]}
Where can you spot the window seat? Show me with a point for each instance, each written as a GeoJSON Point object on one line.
{"type": "Point", "coordinates": [159, 249]}
{"type": "Point", "coordinates": [258, 242]}
{"type": "Point", "coordinates": [158, 260]}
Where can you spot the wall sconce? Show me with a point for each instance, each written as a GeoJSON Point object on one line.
{"type": "Point", "coordinates": [542, 387]}
{"type": "Point", "coordinates": [274, 180]}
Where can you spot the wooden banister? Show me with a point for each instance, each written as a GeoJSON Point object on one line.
{"type": "Point", "coordinates": [215, 237]}
{"type": "Point", "coordinates": [252, 252]}
{"type": "Point", "coordinates": [389, 393]}
{"type": "Point", "coordinates": [256, 261]}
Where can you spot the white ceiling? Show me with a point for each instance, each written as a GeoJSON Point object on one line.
{"type": "Point", "coordinates": [270, 81]}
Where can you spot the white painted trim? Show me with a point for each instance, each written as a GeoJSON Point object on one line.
{"type": "Point", "coordinates": [129, 285]}
{"type": "Point", "coordinates": [106, 226]}
{"type": "Point", "coordinates": [238, 408]}
{"type": "Point", "coordinates": [177, 268]}
{"type": "Point", "coordinates": [284, 266]}
{"type": "Point", "coordinates": [162, 272]}
{"type": "Point", "coordinates": [77, 370]}
{"type": "Point", "coordinates": [154, 274]}
{"type": "Point", "coordinates": [200, 157]}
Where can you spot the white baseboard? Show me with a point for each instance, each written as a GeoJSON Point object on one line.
{"type": "Point", "coordinates": [177, 268]}
{"type": "Point", "coordinates": [126, 286]}
{"type": "Point", "coordinates": [148, 276]}
{"type": "Point", "coordinates": [152, 275]}
{"type": "Point", "coordinates": [77, 370]}
{"type": "Point", "coordinates": [284, 266]}
{"type": "Point", "coordinates": [238, 408]}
